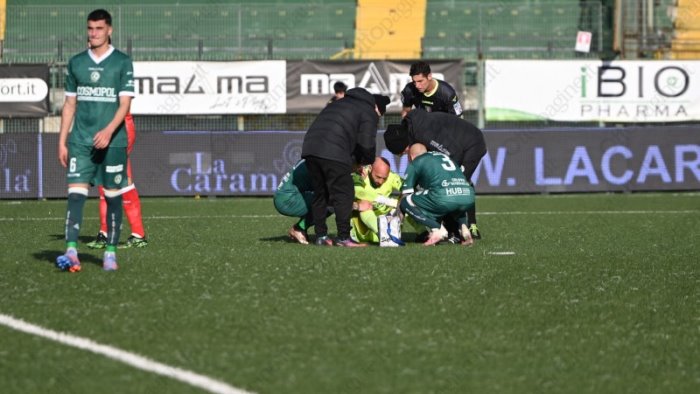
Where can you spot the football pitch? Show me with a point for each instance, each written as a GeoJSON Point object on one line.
{"type": "Point", "coordinates": [584, 293]}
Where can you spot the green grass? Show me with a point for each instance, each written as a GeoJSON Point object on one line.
{"type": "Point", "coordinates": [601, 296]}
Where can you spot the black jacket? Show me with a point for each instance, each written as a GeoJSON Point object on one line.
{"type": "Point", "coordinates": [345, 130]}
{"type": "Point", "coordinates": [439, 131]}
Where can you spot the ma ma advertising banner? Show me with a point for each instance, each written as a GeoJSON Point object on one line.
{"type": "Point", "coordinates": [24, 90]}
{"type": "Point", "coordinates": [590, 90]}
{"type": "Point", "coordinates": [253, 163]}
{"type": "Point", "coordinates": [198, 88]}
{"type": "Point", "coordinates": [310, 83]}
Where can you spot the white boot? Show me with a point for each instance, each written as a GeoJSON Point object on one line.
{"type": "Point", "coordinates": [436, 235]}
{"type": "Point", "coordinates": [467, 235]}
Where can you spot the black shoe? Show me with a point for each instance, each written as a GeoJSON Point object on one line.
{"type": "Point", "coordinates": [100, 241]}
{"type": "Point", "coordinates": [453, 239]}
{"type": "Point", "coordinates": [136, 242]}
{"type": "Point", "coordinates": [476, 234]}
{"type": "Point", "coordinates": [324, 241]}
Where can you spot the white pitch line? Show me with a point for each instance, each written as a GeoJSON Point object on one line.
{"type": "Point", "coordinates": [502, 253]}
{"type": "Point", "coordinates": [172, 217]}
{"type": "Point", "coordinates": [168, 217]}
{"type": "Point", "coordinates": [640, 212]}
{"type": "Point", "coordinates": [136, 361]}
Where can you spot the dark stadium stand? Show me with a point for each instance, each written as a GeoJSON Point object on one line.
{"type": "Point", "coordinates": [262, 30]}
{"type": "Point", "coordinates": [504, 29]}
{"type": "Point", "coordinates": [50, 30]}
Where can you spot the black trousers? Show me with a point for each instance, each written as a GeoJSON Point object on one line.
{"type": "Point", "coordinates": [333, 186]}
{"type": "Point", "coordinates": [470, 162]}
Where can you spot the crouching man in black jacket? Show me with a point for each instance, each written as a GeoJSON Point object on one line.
{"type": "Point", "coordinates": [343, 134]}
{"type": "Point", "coordinates": [438, 131]}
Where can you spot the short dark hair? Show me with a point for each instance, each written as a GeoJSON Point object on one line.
{"type": "Point", "coordinates": [396, 137]}
{"type": "Point", "coordinates": [419, 68]}
{"type": "Point", "coordinates": [339, 87]}
{"type": "Point", "coordinates": [100, 15]}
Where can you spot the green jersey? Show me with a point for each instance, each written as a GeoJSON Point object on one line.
{"type": "Point", "coordinates": [295, 192]}
{"type": "Point", "coordinates": [296, 180]}
{"type": "Point", "coordinates": [98, 84]}
{"type": "Point", "coordinates": [438, 176]}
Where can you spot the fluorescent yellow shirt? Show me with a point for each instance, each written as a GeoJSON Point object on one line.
{"type": "Point", "coordinates": [379, 197]}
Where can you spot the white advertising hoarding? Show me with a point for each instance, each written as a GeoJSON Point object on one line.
{"type": "Point", "coordinates": [592, 90]}
{"type": "Point", "coordinates": [192, 88]}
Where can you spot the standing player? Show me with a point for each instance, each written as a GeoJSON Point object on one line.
{"type": "Point", "coordinates": [444, 191]}
{"type": "Point", "coordinates": [433, 95]}
{"type": "Point", "coordinates": [373, 188]}
{"type": "Point", "coordinates": [130, 201]}
{"type": "Point", "coordinates": [99, 89]}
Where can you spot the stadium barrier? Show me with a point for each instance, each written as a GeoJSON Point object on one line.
{"type": "Point", "coordinates": [252, 163]}
{"type": "Point", "coordinates": [210, 154]}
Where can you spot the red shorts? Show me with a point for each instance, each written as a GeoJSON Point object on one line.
{"type": "Point", "coordinates": [130, 139]}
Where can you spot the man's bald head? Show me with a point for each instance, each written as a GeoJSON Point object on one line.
{"type": "Point", "coordinates": [380, 171]}
{"type": "Point", "coordinates": [416, 150]}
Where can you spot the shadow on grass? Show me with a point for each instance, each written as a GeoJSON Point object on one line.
{"type": "Point", "coordinates": [280, 238]}
{"type": "Point", "coordinates": [82, 239]}
{"type": "Point", "coordinates": [408, 237]}
{"type": "Point", "coordinates": [49, 256]}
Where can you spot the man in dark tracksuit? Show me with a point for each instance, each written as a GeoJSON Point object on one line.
{"type": "Point", "coordinates": [438, 131]}
{"type": "Point", "coordinates": [343, 134]}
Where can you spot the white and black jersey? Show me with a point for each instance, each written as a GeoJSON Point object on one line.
{"type": "Point", "coordinates": [442, 99]}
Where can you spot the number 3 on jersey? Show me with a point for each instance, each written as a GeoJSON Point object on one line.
{"type": "Point", "coordinates": [447, 163]}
